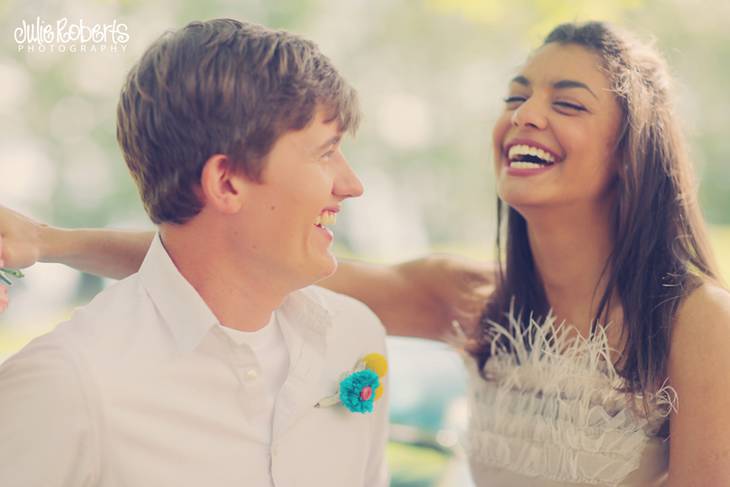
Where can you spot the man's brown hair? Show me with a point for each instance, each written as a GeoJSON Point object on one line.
{"type": "Point", "coordinates": [219, 87]}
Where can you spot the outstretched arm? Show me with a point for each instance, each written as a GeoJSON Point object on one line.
{"type": "Point", "coordinates": [419, 298]}
{"type": "Point", "coordinates": [107, 253]}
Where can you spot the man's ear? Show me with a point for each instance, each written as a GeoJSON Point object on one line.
{"type": "Point", "coordinates": [222, 186]}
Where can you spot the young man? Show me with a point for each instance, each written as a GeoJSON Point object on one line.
{"type": "Point", "coordinates": [205, 366]}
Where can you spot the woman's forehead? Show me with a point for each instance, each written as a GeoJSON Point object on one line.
{"type": "Point", "coordinates": [554, 62]}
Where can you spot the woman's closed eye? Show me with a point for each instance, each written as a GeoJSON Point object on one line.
{"type": "Point", "coordinates": [514, 100]}
{"type": "Point", "coordinates": [569, 106]}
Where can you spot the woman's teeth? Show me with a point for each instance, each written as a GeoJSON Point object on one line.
{"type": "Point", "coordinates": [527, 157]}
{"type": "Point", "coordinates": [326, 218]}
{"type": "Point", "coordinates": [525, 165]}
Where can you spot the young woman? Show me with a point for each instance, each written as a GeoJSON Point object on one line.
{"type": "Point", "coordinates": [603, 236]}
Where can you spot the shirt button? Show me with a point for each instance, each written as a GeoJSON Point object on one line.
{"type": "Point", "coordinates": [251, 374]}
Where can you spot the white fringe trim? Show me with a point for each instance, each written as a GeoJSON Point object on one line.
{"type": "Point", "coordinates": [553, 407]}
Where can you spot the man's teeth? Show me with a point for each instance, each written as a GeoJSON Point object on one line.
{"type": "Point", "coordinates": [526, 150]}
{"type": "Point", "coordinates": [326, 218]}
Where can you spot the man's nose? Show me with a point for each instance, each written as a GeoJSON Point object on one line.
{"type": "Point", "coordinates": [347, 183]}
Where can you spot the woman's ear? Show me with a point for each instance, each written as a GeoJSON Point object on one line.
{"type": "Point", "coordinates": [222, 186]}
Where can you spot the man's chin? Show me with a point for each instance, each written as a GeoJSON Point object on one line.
{"type": "Point", "coordinates": [327, 268]}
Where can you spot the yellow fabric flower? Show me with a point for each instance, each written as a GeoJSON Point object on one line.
{"type": "Point", "coordinates": [377, 363]}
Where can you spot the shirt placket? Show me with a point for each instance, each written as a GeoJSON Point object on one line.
{"type": "Point", "coordinates": [307, 350]}
{"type": "Point", "coordinates": [245, 367]}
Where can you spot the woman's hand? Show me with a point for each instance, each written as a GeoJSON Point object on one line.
{"type": "Point", "coordinates": [20, 244]}
{"type": "Point", "coordinates": [108, 253]}
{"type": "Point", "coordinates": [462, 287]}
{"type": "Point", "coordinates": [21, 239]}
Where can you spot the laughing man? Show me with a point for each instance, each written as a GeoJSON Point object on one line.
{"type": "Point", "coordinates": [204, 368]}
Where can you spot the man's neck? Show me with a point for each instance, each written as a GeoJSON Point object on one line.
{"type": "Point", "coordinates": [241, 295]}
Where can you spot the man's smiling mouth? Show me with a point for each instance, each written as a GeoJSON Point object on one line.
{"type": "Point", "coordinates": [325, 218]}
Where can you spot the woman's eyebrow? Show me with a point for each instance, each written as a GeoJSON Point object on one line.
{"type": "Point", "coordinates": [558, 85]}
{"type": "Point", "coordinates": [569, 83]}
{"type": "Point", "coordinates": [521, 80]}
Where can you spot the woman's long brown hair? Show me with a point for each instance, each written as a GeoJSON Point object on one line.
{"type": "Point", "coordinates": [661, 250]}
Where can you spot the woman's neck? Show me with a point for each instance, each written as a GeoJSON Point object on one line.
{"type": "Point", "coordinates": [571, 247]}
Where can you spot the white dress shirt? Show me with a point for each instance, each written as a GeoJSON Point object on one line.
{"type": "Point", "coordinates": [269, 347]}
{"type": "Point", "coordinates": [142, 388]}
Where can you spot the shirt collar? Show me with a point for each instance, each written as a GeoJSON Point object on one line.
{"type": "Point", "coordinates": [308, 310]}
{"type": "Point", "coordinates": [190, 319]}
{"type": "Point", "coordinates": [179, 304]}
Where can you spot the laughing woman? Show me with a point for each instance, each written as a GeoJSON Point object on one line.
{"type": "Point", "coordinates": [599, 352]}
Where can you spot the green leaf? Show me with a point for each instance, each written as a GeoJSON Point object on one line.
{"type": "Point", "coordinates": [12, 272]}
{"type": "Point", "coordinates": [4, 273]}
{"type": "Point", "coordinates": [5, 279]}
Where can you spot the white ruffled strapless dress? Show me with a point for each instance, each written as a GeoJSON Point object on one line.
{"type": "Point", "coordinates": [552, 414]}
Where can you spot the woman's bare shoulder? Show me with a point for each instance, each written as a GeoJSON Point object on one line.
{"type": "Point", "coordinates": [699, 372]}
{"type": "Point", "coordinates": [701, 336]}
{"type": "Point", "coordinates": [705, 310]}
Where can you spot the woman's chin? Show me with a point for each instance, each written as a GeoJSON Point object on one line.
{"type": "Point", "coordinates": [524, 199]}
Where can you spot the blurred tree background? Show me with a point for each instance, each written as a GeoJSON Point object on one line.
{"type": "Point", "coordinates": [431, 75]}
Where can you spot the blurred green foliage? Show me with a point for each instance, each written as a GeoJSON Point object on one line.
{"type": "Point", "coordinates": [415, 466]}
{"type": "Point", "coordinates": [431, 75]}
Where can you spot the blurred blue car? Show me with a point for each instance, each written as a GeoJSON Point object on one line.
{"type": "Point", "coordinates": [428, 415]}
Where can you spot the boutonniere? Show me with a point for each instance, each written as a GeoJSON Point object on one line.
{"type": "Point", "coordinates": [361, 387]}
{"type": "Point", "coordinates": [5, 272]}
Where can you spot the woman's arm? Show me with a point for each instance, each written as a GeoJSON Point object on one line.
{"type": "Point", "coordinates": [108, 253]}
{"type": "Point", "coordinates": [699, 370]}
{"type": "Point", "coordinates": [419, 298]}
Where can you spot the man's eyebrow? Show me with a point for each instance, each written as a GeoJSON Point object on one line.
{"type": "Point", "coordinates": [570, 83]}
{"type": "Point", "coordinates": [331, 141]}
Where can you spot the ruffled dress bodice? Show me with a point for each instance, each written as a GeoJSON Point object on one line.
{"type": "Point", "coordinates": [552, 413]}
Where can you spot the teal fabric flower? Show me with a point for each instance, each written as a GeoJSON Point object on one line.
{"type": "Point", "coordinates": [357, 391]}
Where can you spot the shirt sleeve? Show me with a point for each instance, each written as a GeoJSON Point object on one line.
{"type": "Point", "coordinates": [46, 436]}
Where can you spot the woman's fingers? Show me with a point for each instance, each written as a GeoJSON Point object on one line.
{"type": "Point", "coordinates": [3, 298]}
